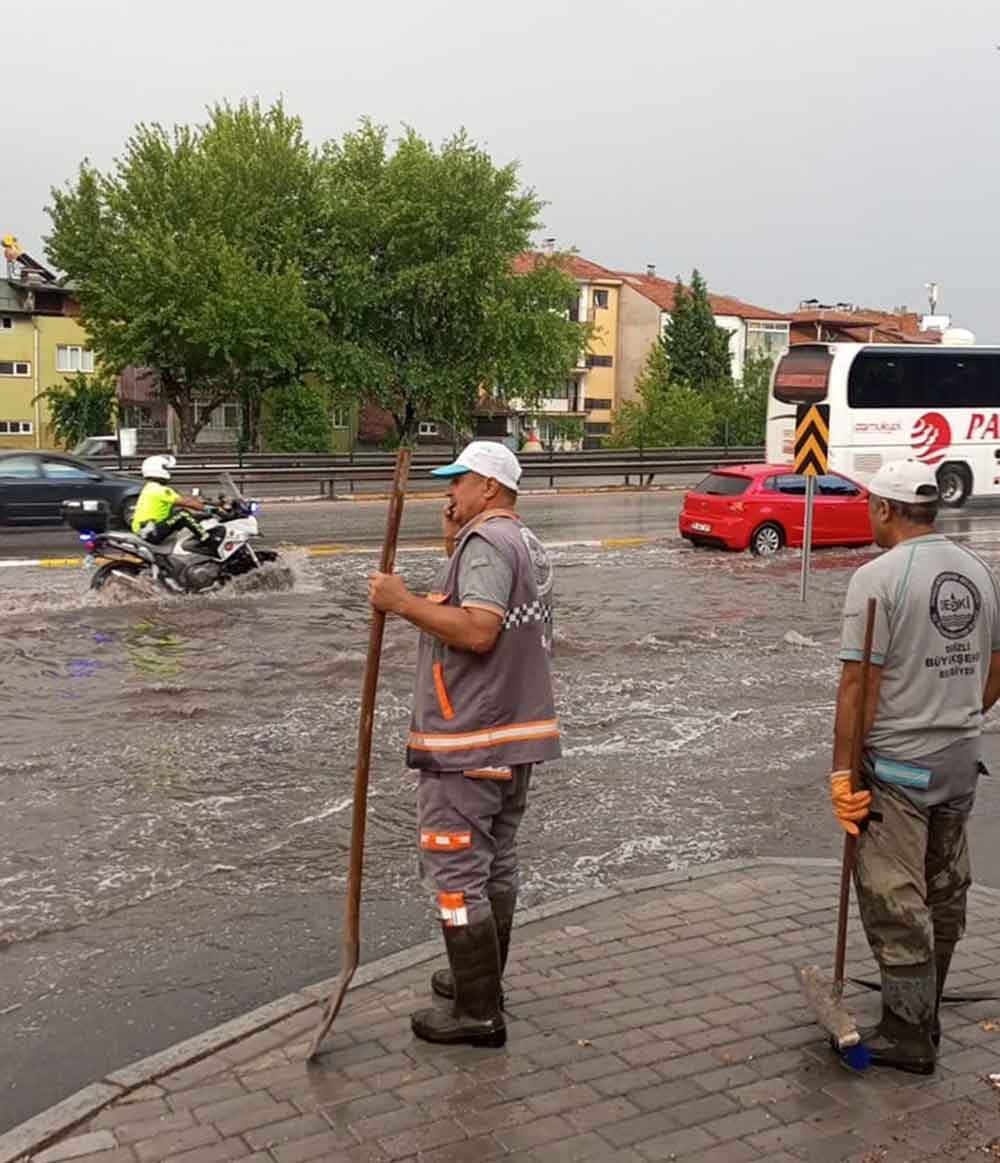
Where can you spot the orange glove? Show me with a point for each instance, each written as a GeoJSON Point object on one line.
{"type": "Point", "coordinates": [850, 807]}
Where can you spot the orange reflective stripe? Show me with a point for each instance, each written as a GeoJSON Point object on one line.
{"type": "Point", "coordinates": [453, 911]}
{"type": "Point", "coordinates": [442, 692]}
{"type": "Point", "coordinates": [471, 740]}
{"type": "Point", "coordinates": [489, 773]}
{"type": "Point", "coordinates": [445, 841]}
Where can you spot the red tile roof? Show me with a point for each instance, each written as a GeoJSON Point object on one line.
{"type": "Point", "coordinates": [860, 325]}
{"type": "Point", "coordinates": [662, 291]}
{"type": "Point", "coordinates": [572, 264]}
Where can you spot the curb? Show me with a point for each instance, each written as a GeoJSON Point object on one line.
{"type": "Point", "coordinates": [22, 1141]}
{"type": "Point", "coordinates": [356, 551]}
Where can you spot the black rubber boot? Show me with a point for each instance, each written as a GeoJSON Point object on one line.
{"type": "Point", "coordinates": [475, 1016]}
{"type": "Point", "coordinates": [902, 1039]}
{"type": "Point", "coordinates": [503, 905]}
{"type": "Point", "coordinates": [943, 952]}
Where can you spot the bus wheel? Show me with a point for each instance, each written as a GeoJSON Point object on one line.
{"type": "Point", "coordinates": [954, 484]}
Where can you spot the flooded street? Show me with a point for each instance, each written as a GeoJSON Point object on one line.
{"type": "Point", "coordinates": [176, 774]}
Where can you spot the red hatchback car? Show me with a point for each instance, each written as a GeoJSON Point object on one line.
{"type": "Point", "coordinates": [761, 507]}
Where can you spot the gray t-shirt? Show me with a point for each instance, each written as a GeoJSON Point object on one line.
{"type": "Point", "coordinates": [485, 576]}
{"type": "Point", "coordinates": [938, 622]}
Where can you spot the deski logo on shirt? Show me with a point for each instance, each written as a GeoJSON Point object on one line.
{"type": "Point", "coordinates": [955, 604]}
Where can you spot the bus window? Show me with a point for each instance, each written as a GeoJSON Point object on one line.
{"type": "Point", "coordinates": [886, 379]}
{"type": "Point", "coordinates": [924, 379]}
{"type": "Point", "coordinates": [802, 374]}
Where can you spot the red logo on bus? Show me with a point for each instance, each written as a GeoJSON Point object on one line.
{"type": "Point", "coordinates": [930, 438]}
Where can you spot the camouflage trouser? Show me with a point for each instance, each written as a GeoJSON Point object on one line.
{"type": "Point", "coordinates": [912, 876]}
{"type": "Point", "coordinates": [468, 822]}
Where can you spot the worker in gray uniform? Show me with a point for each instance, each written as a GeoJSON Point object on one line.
{"type": "Point", "coordinates": [935, 672]}
{"type": "Point", "coordinates": [483, 715]}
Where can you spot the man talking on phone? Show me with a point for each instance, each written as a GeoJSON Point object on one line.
{"type": "Point", "coordinates": [483, 716]}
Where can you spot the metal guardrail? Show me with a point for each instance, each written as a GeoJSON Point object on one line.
{"type": "Point", "coordinates": [328, 473]}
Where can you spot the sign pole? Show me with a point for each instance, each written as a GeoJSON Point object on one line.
{"type": "Point", "coordinates": [807, 535]}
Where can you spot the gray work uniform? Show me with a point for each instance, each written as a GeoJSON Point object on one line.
{"type": "Point", "coordinates": [937, 626]}
{"type": "Point", "coordinates": [480, 722]}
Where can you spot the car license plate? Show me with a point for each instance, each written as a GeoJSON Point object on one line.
{"type": "Point", "coordinates": [701, 527]}
{"type": "Point", "coordinates": [89, 561]}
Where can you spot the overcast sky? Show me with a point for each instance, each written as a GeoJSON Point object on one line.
{"type": "Point", "coordinates": [788, 149]}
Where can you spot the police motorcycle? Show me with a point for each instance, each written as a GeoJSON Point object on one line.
{"type": "Point", "coordinates": [182, 564]}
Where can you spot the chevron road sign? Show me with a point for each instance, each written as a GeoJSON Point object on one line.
{"type": "Point", "coordinates": [812, 460]}
{"type": "Point", "coordinates": [812, 439]}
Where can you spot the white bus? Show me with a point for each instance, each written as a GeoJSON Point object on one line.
{"type": "Point", "coordinates": [939, 404]}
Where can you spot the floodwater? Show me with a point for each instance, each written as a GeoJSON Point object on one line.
{"type": "Point", "coordinates": [176, 776]}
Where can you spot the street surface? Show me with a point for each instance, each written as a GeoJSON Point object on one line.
{"type": "Point", "coordinates": [176, 774]}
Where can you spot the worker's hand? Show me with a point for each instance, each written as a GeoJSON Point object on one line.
{"type": "Point", "coordinates": [449, 526]}
{"type": "Point", "coordinates": [387, 592]}
{"type": "Point", "coordinates": [850, 807]}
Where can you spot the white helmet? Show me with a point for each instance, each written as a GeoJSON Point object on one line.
{"type": "Point", "coordinates": [157, 468]}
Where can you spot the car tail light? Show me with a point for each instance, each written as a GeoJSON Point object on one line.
{"type": "Point", "coordinates": [89, 545]}
{"type": "Point", "coordinates": [736, 506]}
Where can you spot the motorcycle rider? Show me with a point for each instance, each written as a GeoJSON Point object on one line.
{"type": "Point", "coordinates": [160, 510]}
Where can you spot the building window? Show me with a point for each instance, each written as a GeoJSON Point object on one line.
{"type": "Point", "coordinates": [597, 429]}
{"type": "Point", "coordinates": [342, 417]}
{"type": "Point", "coordinates": [766, 338]}
{"type": "Point", "coordinates": [600, 360]}
{"type": "Point", "coordinates": [14, 369]}
{"type": "Point", "coordinates": [427, 429]}
{"type": "Point", "coordinates": [6, 323]}
{"type": "Point", "coordinates": [601, 300]}
{"type": "Point", "coordinates": [16, 428]}
{"type": "Point", "coordinates": [597, 404]}
{"type": "Point", "coordinates": [71, 358]}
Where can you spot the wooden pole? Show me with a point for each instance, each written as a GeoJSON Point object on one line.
{"type": "Point", "coordinates": [851, 842]}
{"type": "Point", "coordinates": [352, 916]}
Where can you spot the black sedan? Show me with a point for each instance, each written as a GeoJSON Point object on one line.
{"type": "Point", "coordinates": [33, 486]}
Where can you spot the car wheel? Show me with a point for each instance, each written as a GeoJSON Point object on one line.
{"type": "Point", "coordinates": [954, 485]}
{"type": "Point", "coordinates": [767, 540]}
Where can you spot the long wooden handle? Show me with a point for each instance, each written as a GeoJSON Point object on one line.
{"type": "Point", "coordinates": [366, 723]}
{"type": "Point", "coordinates": [851, 842]}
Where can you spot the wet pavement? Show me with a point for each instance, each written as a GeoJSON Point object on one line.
{"type": "Point", "coordinates": [176, 774]}
{"type": "Point", "coordinates": [659, 1020]}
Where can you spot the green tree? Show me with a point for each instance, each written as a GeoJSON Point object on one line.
{"type": "Point", "coordinates": [299, 419]}
{"type": "Point", "coordinates": [741, 409]}
{"type": "Point", "coordinates": [84, 405]}
{"type": "Point", "coordinates": [697, 348]}
{"type": "Point", "coordinates": [666, 414]}
{"type": "Point", "coordinates": [415, 269]}
{"type": "Point", "coordinates": [188, 256]}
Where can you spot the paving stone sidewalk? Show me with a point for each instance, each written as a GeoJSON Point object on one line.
{"type": "Point", "coordinates": [661, 1023]}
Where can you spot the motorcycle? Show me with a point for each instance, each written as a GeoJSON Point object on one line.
{"type": "Point", "coordinates": [181, 564]}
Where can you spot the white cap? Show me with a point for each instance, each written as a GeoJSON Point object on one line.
{"type": "Point", "coordinates": [907, 481]}
{"type": "Point", "coordinates": [489, 459]}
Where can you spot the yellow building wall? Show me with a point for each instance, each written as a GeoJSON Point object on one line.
{"type": "Point", "coordinates": [17, 393]}
{"type": "Point", "coordinates": [601, 382]}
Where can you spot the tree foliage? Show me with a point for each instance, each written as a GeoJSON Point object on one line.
{"type": "Point", "coordinates": [84, 405]}
{"type": "Point", "coordinates": [299, 419]}
{"type": "Point", "coordinates": [696, 347]}
{"type": "Point", "coordinates": [666, 414]}
{"type": "Point", "coordinates": [188, 256]}
{"type": "Point", "coordinates": [415, 272]}
{"type": "Point", "coordinates": [741, 409]}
